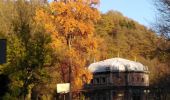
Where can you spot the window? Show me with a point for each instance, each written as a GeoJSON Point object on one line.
{"type": "Point", "coordinates": [107, 69]}
{"type": "Point", "coordinates": [142, 79]}
{"type": "Point", "coordinates": [103, 80]}
{"type": "Point", "coordinates": [97, 81]}
{"type": "Point", "coordinates": [92, 81]}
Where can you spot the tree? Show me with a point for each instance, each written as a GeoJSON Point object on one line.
{"type": "Point", "coordinates": [71, 27]}
{"type": "Point", "coordinates": [163, 45]}
{"type": "Point", "coordinates": [27, 46]}
{"type": "Point", "coordinates": [163, 22]}
{"type": "Point", "coordinates": [163, 28]}
{"type": "Point", "coordinates": [122, 35]}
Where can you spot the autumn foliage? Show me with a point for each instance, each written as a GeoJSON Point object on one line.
{"type": "Point", "coordinates": [46, 40]}
{"type": "Point", "coordinates": [71, 27]}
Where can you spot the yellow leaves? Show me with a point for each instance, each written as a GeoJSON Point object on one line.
{"type": "Point", "coordinates": [50, 28]}
{"type": "Point", "coordinates": [71, 26]}
{"type": "Point", "coordinates": [78, 67]}
{"type": "Point", "coordinates": [41, 16]}
{"type": "Point", "coordinates": [56, 44]}
{"type": "Point", "coordinates": [74, 18]}
{"type": "Point", "coordinates": [84, 76]}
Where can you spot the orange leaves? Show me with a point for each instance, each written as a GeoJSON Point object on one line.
{"type": "Point", "coordinates": [87, 2]}
{"type": "Point", "coordinates": [73, 18]}
{"type": "Point", "coordinates": [41, 16]}
{"type": "Point", "coordinates": [74, 59]}
{"type": "Point", "coordinates": [84, 77]}
{"type": "Point", "coordinates": [71, 26]}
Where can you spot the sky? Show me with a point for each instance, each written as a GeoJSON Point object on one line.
{"type": "Point", "coordinates": [141, 11]}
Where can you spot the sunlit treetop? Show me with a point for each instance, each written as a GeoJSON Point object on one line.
{"type": "Point", "coordinates": [71, 27]}
{"type": "Point", "coordinates": [74, 18]}
{"type": "Point", "coordinates": [91, 2]}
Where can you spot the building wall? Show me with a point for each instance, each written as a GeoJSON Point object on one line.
{"type": "Point", "coordinates": [121, 79]}
{"type": "Point", "coordinates": [101, 79]}
{"type": "Point", "coordinates": [116, 94]}
{"type": "Point", "coordinates": [118, 79]}
{"type": "Point", "coordinates": [138, 79]}
{"type": "Point", "coordinates": [118, 86]}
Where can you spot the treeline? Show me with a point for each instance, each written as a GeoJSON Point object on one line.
{"type": "Point", "coordinates": [123, 37]}
{"type": "Point", "coordinates": [47, 41]}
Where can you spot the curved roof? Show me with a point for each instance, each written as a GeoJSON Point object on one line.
{"type": "Point", "coordinates": [117, 65]}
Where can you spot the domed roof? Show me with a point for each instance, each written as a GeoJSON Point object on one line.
{"type": "Point", "coordinates": [117, 65]}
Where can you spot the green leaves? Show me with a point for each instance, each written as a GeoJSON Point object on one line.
{"type": "Point", "coordinates": [27, 49]}
{"type": "Point", "coordinates": [124, 35]}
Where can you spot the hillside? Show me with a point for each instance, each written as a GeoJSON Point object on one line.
{"type": "Point", "coordinates": [124, 37]}
{"type": "Point", "coordinates": [54, 43]}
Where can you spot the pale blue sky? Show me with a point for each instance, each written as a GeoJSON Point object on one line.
{"type": "Point", "coordinates": [141, 11]}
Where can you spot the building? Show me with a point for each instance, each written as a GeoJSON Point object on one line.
{"type": "Point", "coordinates": [118, 79]}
